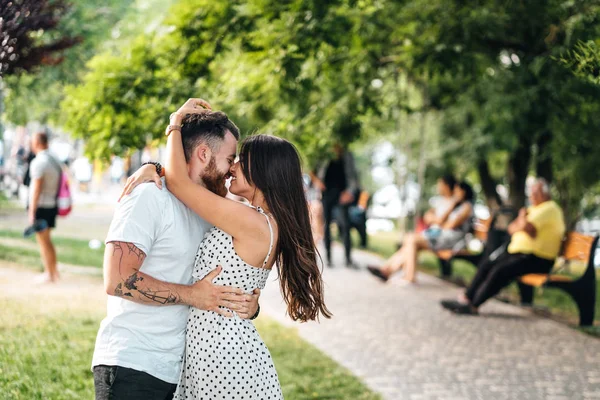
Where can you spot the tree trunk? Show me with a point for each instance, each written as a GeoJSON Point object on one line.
{"type": "Point", "coordinates": [543, 161]}
{"type": "Point", "coordinates": [488, 184]}
{"type": "Point", "coordinates": [402, 151]}
{"type": "Point", "coordinates": [1, 111]}
{"type": "Point", "coordinates": [569, 202]}
{"type": "Point", "coordinates": [518, 169]}
{"type": "Point", "coordinates": [422, 164]}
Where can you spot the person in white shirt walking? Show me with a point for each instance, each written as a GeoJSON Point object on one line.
{"type": "Point", "coordinates": [150, 252]}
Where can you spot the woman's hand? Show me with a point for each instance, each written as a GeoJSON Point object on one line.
{"type": "Point", "coordinates": [146, 173]}
{"type": "Point", "coordinates": [191, 106]}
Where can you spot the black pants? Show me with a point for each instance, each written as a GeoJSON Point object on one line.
{"type": "Point", "coordinates": [116, 383]}
{"type": "Point", "coordinates": [492, 276]}
{"type": "Point", "coordinates": [331, 199]}
{"type": "Point", "coordinates": [47, 214]}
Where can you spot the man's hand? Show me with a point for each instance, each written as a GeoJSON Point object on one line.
{"type": "Point", "coordinates": [207, 296]}
{"type": "Point", "coordinates": [346, 197]}
{"type": "Point", "coordinates": [523, 213]}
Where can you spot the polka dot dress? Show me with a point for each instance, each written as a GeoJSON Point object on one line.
{"type": "Point", "coordinates": [225, 358]}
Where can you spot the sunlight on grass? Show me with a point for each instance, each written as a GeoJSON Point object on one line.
{"type": "Point", "coordinates": [46, 348]}
{"type": "Point", "coordinates": [17, 249]}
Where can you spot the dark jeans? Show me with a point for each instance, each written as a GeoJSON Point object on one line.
{"type": "Point", "coordinates": [116, 383]}
{"type": "Point", "coordinates": [492, 276]}
{"type": "Point", "coordinates": [331, 199]}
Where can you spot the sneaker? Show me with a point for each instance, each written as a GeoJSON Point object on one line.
{"type": "Point", "coordinates": [451, 304]}
{"type": "Point", "coordinates": [351, 265]}
{"type": "Point", "coordinates": [42, 279]}
{"type": "Point", "coordinates": [377, 273]}
{"type": "Point", "coordinates": [465, 309]}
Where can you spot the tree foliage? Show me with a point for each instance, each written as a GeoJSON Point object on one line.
{"type": "Point", "coordinates": [28, 34]}
{"type": "Point", "coordinates": [512, 86]}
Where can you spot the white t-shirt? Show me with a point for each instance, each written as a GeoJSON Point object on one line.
{"type": "Point", "coordinates": [441, 205]}
{"type": "Point", "coordinates": [47, 168]}
{"type": "Point", "coordinates": [143, 337]}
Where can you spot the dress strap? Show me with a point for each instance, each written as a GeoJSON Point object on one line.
{"type": "Point", "coordinates": [260, 210]}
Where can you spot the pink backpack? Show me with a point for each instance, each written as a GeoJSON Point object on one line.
{"type": "Point", "coordinates": [64, 201]}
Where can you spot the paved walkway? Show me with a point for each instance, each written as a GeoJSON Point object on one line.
{"type": "Point", "coordinates": [405, 346]}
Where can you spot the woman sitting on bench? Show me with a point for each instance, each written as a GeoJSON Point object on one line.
{"type": "Point", "coordinates": [455, 224]}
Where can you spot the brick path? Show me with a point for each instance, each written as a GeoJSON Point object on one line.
{"type": "Point", "coordinates": [402, 344]}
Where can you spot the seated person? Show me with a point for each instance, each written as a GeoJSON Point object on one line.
{"type": "Point", "coordinates": [453, 226]}
{"type": "Point", "coordinates": [445, 201]}
{"type": "Point", "coordinates": [536, 236]}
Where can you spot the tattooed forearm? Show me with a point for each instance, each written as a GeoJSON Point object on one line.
{"type": "Point", "coordinates": [161, 296]}
{"type": "Point", "coordinates": [137, 285]}
{"type": "Point", "coordinates": [131, 280]}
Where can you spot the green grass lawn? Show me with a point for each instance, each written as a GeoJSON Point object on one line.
{"type": "Point", "coordinates": [46, 347]}
{"type": "Point", "coordinates": [556, 301]}
{"type": "Point", "coordinates": [15, 248]}
{"type": "Point", "coordinates": [47, 355]}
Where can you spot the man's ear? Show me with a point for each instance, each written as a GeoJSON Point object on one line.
{"type": "Point", "coordinates": [204, 153]}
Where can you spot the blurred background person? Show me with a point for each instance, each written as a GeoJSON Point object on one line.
{"type": "Point", "coordinates": [441, 203]}
{"type": "Point", "coordinates": [357, 214]}
{"type": "Point", "coordinates": [45, 173]}
{"type": "Point", "coordinates": [315, 207]}
{"type": "Point", "coordinates": [449, 231]}
{"type": "Point", "coordinates": [535, 242]}
{"type": "Point", "coordinates": [83, 172]}
{"type": "Point", "coordinates": [117, 169]}
{"type": "Point", "coordinates": [337, 180]}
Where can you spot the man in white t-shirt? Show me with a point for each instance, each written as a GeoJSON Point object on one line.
{"type": "Point", "coordinates": [150, 252]}
{"type": "Point", "coordinates": [45, 172]}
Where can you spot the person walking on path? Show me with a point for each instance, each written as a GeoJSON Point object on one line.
{"type": "Point", "coordinates": [338, 181]}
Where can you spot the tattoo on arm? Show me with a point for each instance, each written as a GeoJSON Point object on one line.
{"type": "Point", "coordinates": [135, 282]}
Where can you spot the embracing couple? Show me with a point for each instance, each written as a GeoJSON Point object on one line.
{"type": "Point", "coordinates": [184, 265]}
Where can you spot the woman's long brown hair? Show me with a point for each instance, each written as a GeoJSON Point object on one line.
{"type": "Point", "coordinates": [272, 165]}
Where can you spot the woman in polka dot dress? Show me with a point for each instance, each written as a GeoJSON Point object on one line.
{"type": "Point", "coordinates": [225, 358]}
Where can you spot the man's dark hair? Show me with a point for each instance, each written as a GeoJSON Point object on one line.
{"type": "Point", "coordinates": [208, 127]}
{"type": "Point", "coordinates": [42, 138]}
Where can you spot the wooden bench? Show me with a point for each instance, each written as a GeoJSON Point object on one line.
{"type": "Point", "coordinates": [575, 247]}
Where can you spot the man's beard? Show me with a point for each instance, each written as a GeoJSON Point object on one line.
{"type": "Point", "coordinates": [213, 179]}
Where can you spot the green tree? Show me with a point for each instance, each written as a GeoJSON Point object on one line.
{"type": "Point", "coordinates": [493, 69]}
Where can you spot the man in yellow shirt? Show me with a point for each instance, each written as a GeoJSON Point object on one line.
{"type": "Point", "coordinates": [536, 237]}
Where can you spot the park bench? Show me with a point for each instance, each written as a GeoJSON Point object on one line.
{"type": "Point", "coordinates": [481, 228]}
{"type": "Point", "coordinates": [575, 247]}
